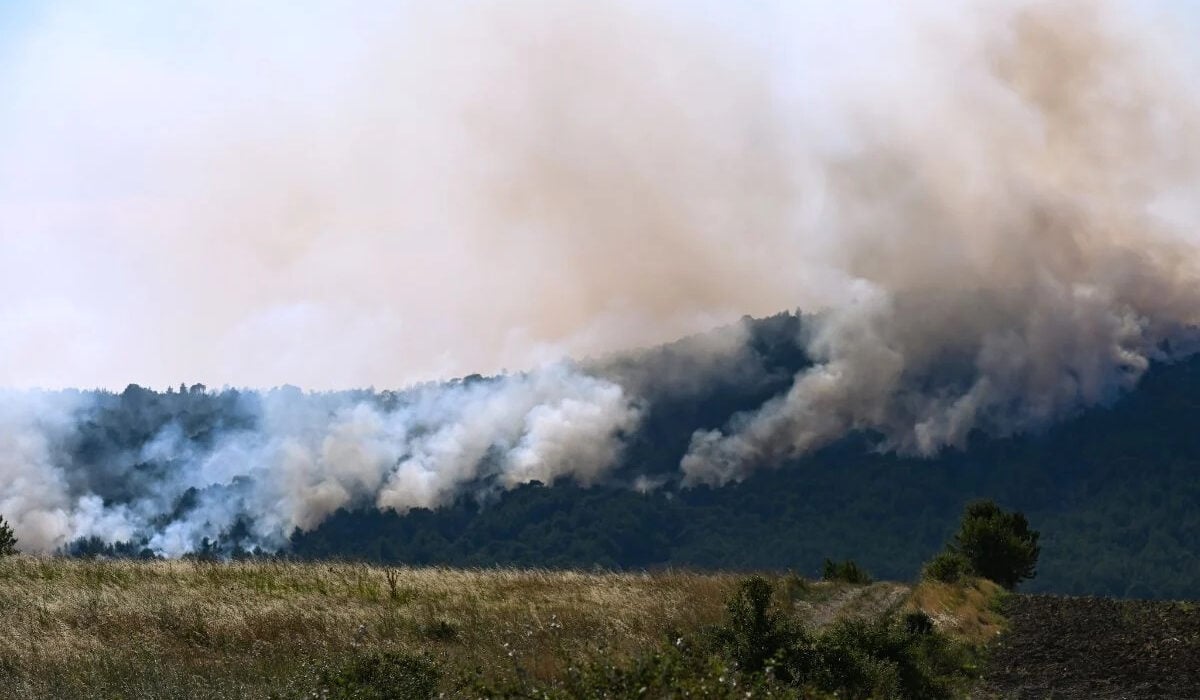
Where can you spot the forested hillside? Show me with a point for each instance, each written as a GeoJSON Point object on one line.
{"type": "Point", "coordinates": [1113, 491]}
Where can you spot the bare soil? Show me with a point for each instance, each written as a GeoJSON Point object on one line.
{"type": "Point", "coordinates": [1063, 647]}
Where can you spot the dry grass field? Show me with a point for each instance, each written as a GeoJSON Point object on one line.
{"type": "Point", "coordinates": [77, 628]}
{"type": "Point", "coordinates": [193, 629]}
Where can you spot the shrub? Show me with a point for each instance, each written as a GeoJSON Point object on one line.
{"type": "Point", "coordinates": [760, 653]}
{"type": "Point", "coordinates": [998, 545]}
{"type": "Point", "coordinates": [381, 676]}
{"type": "Point", "coordinates": [884, 657]}
{"type": "Point", "coordinates": [918, 622]}
{"type": "Point", "coordinates": [673, 671]}
{"type": "Point", "coordinates": [948, 566]}
{"type": "Point", "coordinates": [8, 541]}
{"type": "Point", "coordinates": [846, 571]}
{"type": "Point", "coordinates": [754, 634]}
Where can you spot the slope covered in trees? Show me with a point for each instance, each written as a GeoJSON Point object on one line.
{"type": "Point", "coordinates": [1112, 489]}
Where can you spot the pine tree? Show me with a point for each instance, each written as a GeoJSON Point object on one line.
{"type": "Point", "coordinates": [8, 541]}
{"type": "Point", "coordinates": [999, 545]}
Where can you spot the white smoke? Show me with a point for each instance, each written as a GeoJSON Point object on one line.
{"type": "Point", "coordinates": [34, 497]}
{"type": "Point", "coordinates": [1008, 240]}
{"type": "Point", "coordinates": [310, 454]}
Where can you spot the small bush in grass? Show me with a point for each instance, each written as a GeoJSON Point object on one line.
{"type": "Point", "coordinates": [672, 671]}
{"type": "Point", "coordinates": [381, 676]}
{"type": "Point", "coordinates": [759, 652]}
{"type": "Point", "coordinates": [947, 566]}
{"type": "Point", "coordinates": [846, 572]}
{"type": "Point", "coordinates": [918, 622]}
{"type": "Point", "coordinates": [8, 541]}
{"type": "Point", "coordinates": [885, 658]}
{"type": "Point", "coordinates": [754, 634]}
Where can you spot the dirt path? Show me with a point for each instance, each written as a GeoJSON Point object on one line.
{"type": "Point", "coordinates": [1059, 647]}
{"type": "Point", "coordinates": [855, 601]}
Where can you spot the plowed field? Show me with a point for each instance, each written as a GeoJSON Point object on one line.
{"type": "Point", "coordinates": [1060, 647]}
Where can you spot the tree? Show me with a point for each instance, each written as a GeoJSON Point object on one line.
{"type": "Point", "coordinates": [755, 634]}
{"type": "Point", "coordinates": [998, 545]}
{"type": "Point", "coordinates": [8, 541]}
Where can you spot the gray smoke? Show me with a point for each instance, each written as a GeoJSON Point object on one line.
{"type": "Point", "coordinates": [304, 456]}
{"type": "Point", "coordinates": [1014, 243]}
{"type": "Point", "coordinates": [34, 496]}
{"type": "Point", "coordinates": [987, 205]}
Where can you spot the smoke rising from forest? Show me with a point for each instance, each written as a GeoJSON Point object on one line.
{"type": "Point", "coordinates": [284, 459]}
{"type": "Point", "coordinates": [1017, 262]}
{"type": "Point", "coordinates": [984, 206]}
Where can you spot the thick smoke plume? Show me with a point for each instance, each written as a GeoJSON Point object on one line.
{"type": "Point", "coordinates": [397, 193]}
{"type": "Point", "coordinates": [986, 206]}
{"type": "Point", "coordinates": [297, 458]}
{"type": "Point", "coordinates": [1016, 262]}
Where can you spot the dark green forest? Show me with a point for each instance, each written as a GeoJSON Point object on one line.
{"type": "Point", "coordinates": [1114, 490]}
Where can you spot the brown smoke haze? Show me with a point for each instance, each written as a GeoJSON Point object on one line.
{"type": "Point", "coordinates": [989, 207]}
{"type": "Point", "coordinates": [1017, 239]}
{"type": "Point", "coordinates": [337, 199]}
{"type": "Point", "coordinates": [417, 193]}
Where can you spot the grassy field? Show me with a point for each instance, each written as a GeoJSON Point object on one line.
{"type": "Point", "coordinates": [175, 629]}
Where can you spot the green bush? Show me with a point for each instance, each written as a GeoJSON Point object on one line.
{"type": "Point", "coordinates": [998, 545]}
{"type": "Point", "coordinates": [845, 571]}
{"type": "Point", "coordinates": [8, 541]}
{"type": "Point", "coordinates": [754, 634]}
{"type": "Point", "coordinates": [918, 622]}
{"type": "Point", "coordinates": [673, 671]}
{"type": "Point", "coordinates": [948, 566]}
{"type": "Point", "coordinates": [381, 676]}
{"type": "Point", "coordinates": [885, 658]}
{"type": "Point", "coordinates": [759, 652]}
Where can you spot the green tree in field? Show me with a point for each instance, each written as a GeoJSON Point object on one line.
{"type": "Point", "coordinates": [755, 633]}
{"type": "Point", "coordinates": [998, 545]}
{"type": "Point", "coordinates": [8, 541]}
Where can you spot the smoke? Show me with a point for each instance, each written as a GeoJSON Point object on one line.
{"type": "Point", "coordinates": [295, 457]}
{"type": "Point", "coordinates": [312, 454]}
{"type": "Point", "coordinates": [34, 500]}
{"type": "Point", "coordinates": [987, 205]}
{"type": "Point", "coordinates": [402, 192]}
{"type": "Point", "coordinates": [1015, 263]}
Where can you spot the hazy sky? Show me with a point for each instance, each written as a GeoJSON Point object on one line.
{"type": "Point", "coordinates": [295, 192]}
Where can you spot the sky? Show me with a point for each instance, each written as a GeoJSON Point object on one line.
{"type": "Point", "coordinates": [296, 193]}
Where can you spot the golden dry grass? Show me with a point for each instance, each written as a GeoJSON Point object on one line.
{"type": "Point", "coordinates": [76, 628]}
{"type": "Point", "coordinates": [966, 611]}
{"type": "Point", "coordinates": [190, 629]}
